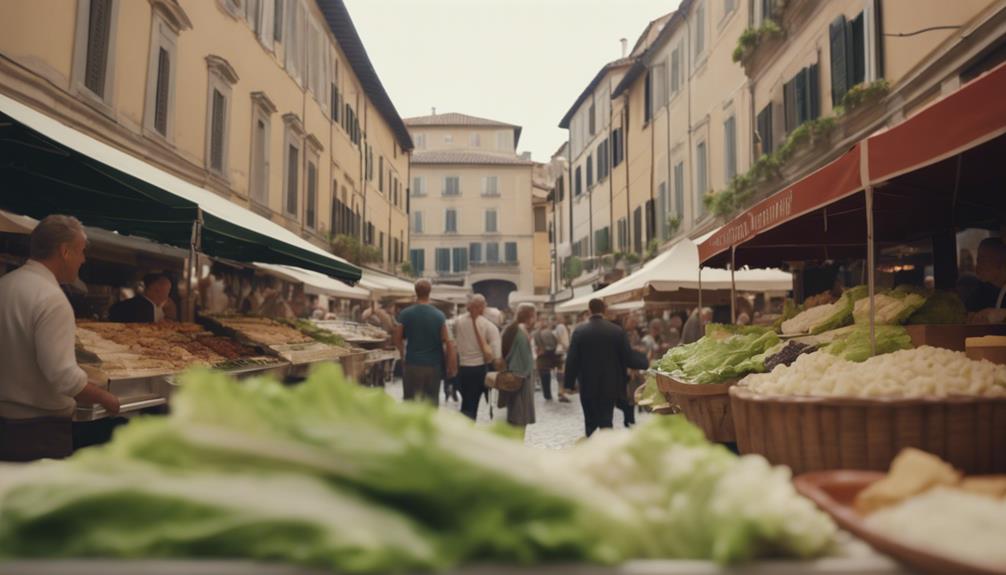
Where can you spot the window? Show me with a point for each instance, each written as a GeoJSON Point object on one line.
{"type": "Point", "coordinates": [591, 120]}
{"type": "Point", "coordinates": [648, 97]}
{"type": "Point", "coordinates": [763, 131]}
{"type": "Point", "coordinates": [623, 234]}
{"type": "Point", "coordinates": [474, 140]}
{"type": "Point", "coordinates": [253, 14]}
{"type": "Point", "coordinates": [317, 63]}
{"type": "Point", "coordinates": [676, 70]}
{"type": "Point", "coordinates": [395, 251]}
{"type": "Point", "coordinates": [637, 229]}
{"type": "Point", "coordinates": [296, 31]}
{"type": "Point", "coordinates": [511, 252]}
{"type": "Point", "coordinates": [504, 140]}
{"type": "Point", "coordinates": [460, 260]}
{"type": "Point", "coordinates": [490, 186]}
{"type": "Point", "coordinates": [730, 145]}
{"type": "Point", "coordinates": [590, 171]}
{"type": "Point", "coordinates": [602, 240]}
{"type": "Point", "coordinates": [475, 252]}
{"type": "Point", "coordinates": [651, 220]}
{"type": "Point", "coordinates": [492, 252]}
{"type": "Point", "coordinates": [448, 138]}
{"type": "Point", "coordinates": [221, 76]}
{"type": "Point", "coordinates": [728, 7]}
{"type": "Point", "coordinates": [617, 146]}
{"type": "Point", "coordinates": [602, 160]}
{"type": "Point", "coordinates": [701, 181]}
{"type": "Point", "coordinates": [663, 210]}
{"type": "Point", "coordinates": [539, 219]}
{"type": "Point", "coordinates": [277, 24]}
{"type": "Point", "coordinates": [95, 41]}
{"type": "Point", "coordinates": [577, 183]}
{"type": "Point", "coordinates": [417, 222]}
{"type": "Point", "coordinates": [158, 116]}
{"type": "Point", "coordinates": [260, 156]}
{"type": "Point", "coordinates": [421, 141]}
{"type": "Point", "coordinates": [801, 98]}
{"type": "Point", "coordinates": [292, 166]}
{"type": "Point", "coordinates": [335, 106]}
{"type": "Point", "coordinates": [491, 221]}
{"type": "Point", "coordinates": [417, 259]}
{"type": "Point", "coordinates": [679, 190]}
{"type": "Point", "coordinates": [311, 202]}
{"type": "Point", "coordinates": [848, 56]}
{"type": "Point", "coordinates": [659, 99]}
{"type": "Point", "coordinates": [560, 188]}
{"type": "Point", "coordinates": [443, 260]}
{"type": "Point", "coordinates": [452, 186]}
{"type": "Point", "coordinates": [380, 174]}
{"type": "Point", "coordinates": [451, 221]}
{"type": "Point", "coordinates": [699, 31]}
{"type": "Point", "coordinates": [380, 245]}
{"type": "Point", "coordinates": [418, 186]}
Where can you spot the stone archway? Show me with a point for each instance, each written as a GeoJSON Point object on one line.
{"type": "Point", "coordinates": [496, 292]}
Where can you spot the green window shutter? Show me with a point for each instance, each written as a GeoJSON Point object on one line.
{"type": "Point", "coordinates": [856, 50]}
{"type": "Point", "coordinates": [839, 37]}
{"type": "Point", "coordinates": [813, 85]}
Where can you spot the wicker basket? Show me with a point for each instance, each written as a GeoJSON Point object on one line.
{"type": "Point", "coordinates": [814, 433]}
{"type": "Point", "coordinates": [706, 405]}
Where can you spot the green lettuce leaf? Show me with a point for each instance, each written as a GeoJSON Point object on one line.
{"type": "Point", "coordinates": [942, 307]}
{"type": "Point", "coordinates": [726, 352]}
{"type": "Point", "coordinates": [854, 344]}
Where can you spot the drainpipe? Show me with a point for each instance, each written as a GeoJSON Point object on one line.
{"type": "Point", "coordinates": [610, 165]}
{"type": "Point", "coordinates": [590, 202]}
{"type": "Point", "coordinates": [628, 199]}
{"type": "Point", "coordinates": [670, 166]}
{"type": "Point", "coordinates": [569, 168]}
{"type": "Point", "coordinates": [688, 77]}
{"type": "Point", "coordinates": [653, 153]}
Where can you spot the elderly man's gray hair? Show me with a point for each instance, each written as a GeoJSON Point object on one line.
{"type": "Point", "coordinates": [524, 311]}
{"type": "Point", "coordinates": [52, 232]}
{"type": "Point", "coordinates": [477, 299]}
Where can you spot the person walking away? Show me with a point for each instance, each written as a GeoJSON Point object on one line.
{"type": "Point", "coordinates": [422, 341]}
{"type": "Point", "coordinates": [42, 383]}
{"type": "Point", "coordinates": [599, 355]}
{"type": "Point", "coordinates": [695, 327]}
{"type": "Point", "coordinates": [562, 346]}
{"type": "Point", "coordinates": [516, 350]}
{"type": "Point", "coordinates": [478, 341]}
{"type": "Point", "coordinates": [547, 357]}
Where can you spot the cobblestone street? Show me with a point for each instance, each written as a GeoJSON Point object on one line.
{"type": "Point", "coordinates": [559, 425]}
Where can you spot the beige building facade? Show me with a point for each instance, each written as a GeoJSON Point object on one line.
{"type": "Point", "coordinates": [471, 204]}
{"type": "Point", "coordinates": [270, 103]}
{"type": "Point", "coordinates": [734, 99]}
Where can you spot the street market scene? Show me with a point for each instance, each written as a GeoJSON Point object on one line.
{"type": "Point", "coordinates": [527, 287]}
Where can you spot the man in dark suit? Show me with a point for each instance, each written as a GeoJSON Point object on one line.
{"type": "Point", "coordinates": [599, 355]}
{"type": "Point", "coordinates": [145, 307]}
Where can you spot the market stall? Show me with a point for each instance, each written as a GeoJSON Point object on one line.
{"type": "Point", "coordinates": [844, 384]}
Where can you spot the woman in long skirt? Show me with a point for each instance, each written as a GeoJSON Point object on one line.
{"type": "Point", "coordinates": [520, 361]}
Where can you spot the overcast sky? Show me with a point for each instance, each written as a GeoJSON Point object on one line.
{"type": "Point", "coordinates": [517, 61]}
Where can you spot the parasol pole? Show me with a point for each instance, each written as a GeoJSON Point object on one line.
{"type": "Point", "coordinates": [864, 173]}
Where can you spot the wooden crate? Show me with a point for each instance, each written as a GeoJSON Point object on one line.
{"type": "Point", "coordinates": [816, 433]}
{"type": "Point", "coordinates": [706, 405]}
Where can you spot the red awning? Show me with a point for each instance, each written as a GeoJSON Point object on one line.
{"type": "Point", "coordinates": [939, 170]}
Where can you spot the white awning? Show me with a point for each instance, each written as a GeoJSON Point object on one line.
{"type": "Point", "coordinates": [314, 282]}
{"type": "Point", "coordinates": [383, 285]}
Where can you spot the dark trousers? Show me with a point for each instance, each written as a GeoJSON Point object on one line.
{"type": "Point", "coordinates": [628, 411]}
{"type": "Point", "coordinates": [546, 382]}
{"type": "Point", "coordinates": [473, 385]}
{"type": "Point", "coordinates": [421, 382]}
{"type": "Point", "coordinates": [597, 413]}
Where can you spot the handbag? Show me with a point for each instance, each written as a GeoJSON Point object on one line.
{"type": "Point", "coordinates": [487, 352]}
{"type": "Point", "coordinates": [506, 380]}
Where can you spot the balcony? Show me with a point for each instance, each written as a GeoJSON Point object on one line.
{"type": "Point", "coordinates": [484, 265]}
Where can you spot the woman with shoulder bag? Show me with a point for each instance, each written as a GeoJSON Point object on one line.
{"type": "Point", "coordinates": [520, 364]}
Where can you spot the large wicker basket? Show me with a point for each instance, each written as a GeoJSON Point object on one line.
{"type": "Point", "coordinates": [813, 434]}
{"type": "Point", "coordinates": [706, 405]}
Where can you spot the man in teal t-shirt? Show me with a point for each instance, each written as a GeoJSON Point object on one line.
{"type": "Point", "coordinates": [424, 331]}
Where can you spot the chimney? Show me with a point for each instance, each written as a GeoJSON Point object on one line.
{"type": "Point", "coordinates": [625, 46]}
{"type": "Point", "coordinates": [434, 111]}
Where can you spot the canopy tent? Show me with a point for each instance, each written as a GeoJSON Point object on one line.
{"type": "Point", "coordinates": [97, 237]}
{"type": "Point", "coordinates": [47, 167]}
{"type": "Point", "coordinates": [939, 170]}
{"type": "Point", "coordinates": [674, 276]}
{"type": "Point", "coordinates": [314, 282]}
{"type": "Point", "coordinates": [383, 285]}
{"type": "Point", "coordinates": [457, 295]}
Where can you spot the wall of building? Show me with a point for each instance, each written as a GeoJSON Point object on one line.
{"type": "Point", "coordinates": [38, 51]}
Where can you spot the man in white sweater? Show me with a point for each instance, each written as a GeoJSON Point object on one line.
{"type": "Point", "coordinates": [42, 383]}
{"type": "Point", "coordinates": [478, 342]}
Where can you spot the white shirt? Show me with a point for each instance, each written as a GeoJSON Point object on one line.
{"type": "Point", "coordinates": [468, 344]}
{"type": "Point", "coordinates": [562, 337]}
{"type": "Point", "coordinates": [40, 374]}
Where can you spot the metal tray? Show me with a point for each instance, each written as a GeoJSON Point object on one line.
{"type": "Point", "coordinates": [127, 408]}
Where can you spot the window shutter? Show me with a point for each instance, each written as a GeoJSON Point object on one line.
{"type": "Point", "coordinates": [492, 252]}
{"type": "Point", "coordinates": [679, 189]}
{"type": "Point", "coordinates": [637, 229]}
{"type": "Point", "coordinates": [648, 98]}
{"type": "Point", "coordinates": [651, 220]}
{"type": "Point", "coordinates": [839, 65]}
{"type": "Point", "coordinates": [161, 98]}
{"type": "Point", "coordinates": [98, 31]}
{"type": "Point", "coordinates": [475, 252]}
{"type": "Point", "coordinates": [217, 132]}
{"type": "Point", "coordinates": [765, 129]}
{"type": "Point", "coordinates": [277, 23]}
{"type": "Point", "coordinates": [511, 252]}
{"type": "Point", "coordinates": [730, 141]}
{"type": "Point", "coordinates": [802, 103]}
{"type": "Point", "coordinates": [312, 195]}
{"type": "Point", "coordinates": [856, 50]}
{"type": "Point", "coordinates": [813, 92]}
{"type": "Point", "coordinates": [293, 161]}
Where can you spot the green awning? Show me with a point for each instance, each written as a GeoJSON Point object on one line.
{"type": "Point", "coordinates": [47, 167]}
